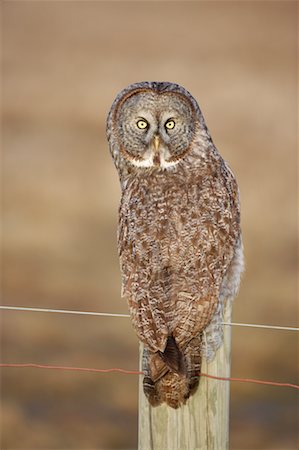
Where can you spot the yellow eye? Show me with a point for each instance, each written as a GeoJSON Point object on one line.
{"type": "Point", "coordinates": [170, 124]}
{"type": "Point", "coordinates": [142, 124]}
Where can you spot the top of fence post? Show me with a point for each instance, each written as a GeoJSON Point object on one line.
{"type": "Point", "coordinates": [201, 424]}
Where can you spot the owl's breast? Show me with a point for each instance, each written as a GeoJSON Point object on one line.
{"type": "Point", "coordinates": [155, 220]}
{"type": "Point", "coordinates": [145, 225]}
{"type": "Point", "coordinates": [185, 225]}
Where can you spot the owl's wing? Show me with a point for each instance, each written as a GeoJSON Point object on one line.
{"type": "Point", "coordinates": [176, 242]}
{"type": "Point", "coordinates": [143, 273]}
{"type": "Point", "coordinates": [213, 336]}
{"type": "Point", "coordinates": [210, 239]}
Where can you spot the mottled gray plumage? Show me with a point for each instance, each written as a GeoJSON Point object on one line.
{"type": "Point", "coordinates": [179, 234]}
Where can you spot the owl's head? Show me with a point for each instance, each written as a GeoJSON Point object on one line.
{"type": "Point", "coordinates": [153, 125]}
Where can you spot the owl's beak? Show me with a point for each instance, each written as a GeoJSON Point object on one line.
{"type": "Point", "coordinates": [156, 156]}
{"type": "Point", "coordinates": [156, 143]}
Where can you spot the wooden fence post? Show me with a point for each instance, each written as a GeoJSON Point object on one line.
{"type": "Point", "coordinates": [203, 423]}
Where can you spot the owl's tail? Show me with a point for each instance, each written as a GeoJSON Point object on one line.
{"type": "Point", "coordinates": [172, 376]}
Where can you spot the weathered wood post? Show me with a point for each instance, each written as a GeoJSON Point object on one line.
{"type": "Point", "coordinates": [203, 423]}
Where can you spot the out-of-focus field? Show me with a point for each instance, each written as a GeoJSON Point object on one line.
{"type": "Point", "coordinates": [63, 64]}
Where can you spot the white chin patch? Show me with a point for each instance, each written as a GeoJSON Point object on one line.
{"type": "Point", "coordinates": [165, 164]}
{"type": "Point", "coordinates": [149, 163]}
{"type": "Point", "coordinates": [143, 162]}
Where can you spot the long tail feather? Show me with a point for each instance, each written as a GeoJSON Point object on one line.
{"type": "Point", "coordinates": [172, 376]}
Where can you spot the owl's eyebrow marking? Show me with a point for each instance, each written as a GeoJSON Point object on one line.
{"type": "Point", "coordinates": [142, 118]}
{"type": "Point", "coordinates": [127, 96]}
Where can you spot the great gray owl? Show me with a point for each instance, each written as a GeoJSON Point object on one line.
{"type": "Point", "coordinates": [179, 236]}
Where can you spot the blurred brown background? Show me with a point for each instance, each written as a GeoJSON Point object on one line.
{"type": "Point", "coordinates": [64, 62]}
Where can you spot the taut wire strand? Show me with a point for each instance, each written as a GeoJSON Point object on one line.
{"type": "Point", "coordinates": [63, 311]}
{"type": "Point", "coordinates": [137, 372]}
{"type": "Point", "coordinates": [92, 313]}
{"type": "Point", "coordinates": [256, 325]}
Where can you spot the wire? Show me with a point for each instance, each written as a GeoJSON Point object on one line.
{"type": "Point", "coordinates": [136, 372]}
{"type": "Point", "coordinates": [63, 311]}
{"type": "Point", "coordinates": [91, 313]}
{"type": "Point", "coordinates": [255, 325]}
{"type": "Point", "coordinates": [76, 369]}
